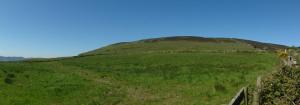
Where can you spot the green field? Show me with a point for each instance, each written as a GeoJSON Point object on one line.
{"type": "Point", "coordinates": [193, 73]}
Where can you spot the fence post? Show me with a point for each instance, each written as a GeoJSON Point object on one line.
{"type": "Point", "coordinates": [246, 95]}
{"type": "Point", "coordinates": [256, 97]}
{"type": "Point", "coordinates": [240, 96]}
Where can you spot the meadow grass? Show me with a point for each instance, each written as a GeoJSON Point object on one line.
{"type": "Point", "coordinates": [133, 79]}
{"type": "Point", "coordinates": [138, 47]}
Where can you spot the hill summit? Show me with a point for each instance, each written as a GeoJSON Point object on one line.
{"type": "Point", "coordinates": [186, 43]}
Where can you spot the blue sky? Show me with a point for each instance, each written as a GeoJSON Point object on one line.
{"type": "Point", "coordinates": [52, 28]}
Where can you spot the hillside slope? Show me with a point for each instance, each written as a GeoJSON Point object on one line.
{"type": "Point", "coordinates": [147, 72]}
{"type": "Point", "coordinates": [186, 43]}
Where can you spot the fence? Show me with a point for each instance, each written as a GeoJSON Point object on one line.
{"type": "Point", "coordinates": [240, 97]}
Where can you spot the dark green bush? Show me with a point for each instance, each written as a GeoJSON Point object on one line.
{"type": "Point", "coordinates": [27, 76]}
{"type": "Point", "coordinates": [10, 75]}
{"type": "Point", "coordinates": [8, 80]}
{"type": "Point", "coordinates": [219, 87]}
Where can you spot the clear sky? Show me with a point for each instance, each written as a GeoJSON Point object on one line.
{"type": "Point", "coordinates": [52, 28]}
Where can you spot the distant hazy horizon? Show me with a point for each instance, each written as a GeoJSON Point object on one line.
{"type": "Point", "coordinates": [56, 28]}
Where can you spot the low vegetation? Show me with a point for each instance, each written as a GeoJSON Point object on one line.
{"type": "Point", "coordinates": [282, 87]}
{"type": "Point", "coordinates": [168, 74]}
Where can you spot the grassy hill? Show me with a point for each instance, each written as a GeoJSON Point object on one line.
{"type": "Point", "coordinates": [186, 44]}
{"type": "Point", "coordinates": [164, 71]}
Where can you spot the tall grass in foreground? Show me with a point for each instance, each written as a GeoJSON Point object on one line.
{"type": "Point", "coordinates": [134, 79]}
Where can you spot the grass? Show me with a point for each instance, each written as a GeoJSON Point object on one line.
{"type": "Point", "coordinates": [177, 46]}
{"type": "Point", "coordinates": [201, 78]}
{"type": "Point", "coordinates": [172, 71]}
